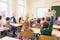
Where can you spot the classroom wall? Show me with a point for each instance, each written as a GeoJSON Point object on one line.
{"type": "Point", "coordinates": [34, 4]}
{"type": "Point", "coordinates": [14, 8]}
{"type": "Point", "coordinates": [56, 3]}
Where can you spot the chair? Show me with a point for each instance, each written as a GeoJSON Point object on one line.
{"type": "Point", "coordinates": [45, 37]}
{"type": "Point", "coordinates": [6, 25]}
{"type": "Point", "coordinates": [26, 34]}
{"type": "Point", "coordinates": [9, 33]}
{"type": "Point", "coordinates": [37, 27]}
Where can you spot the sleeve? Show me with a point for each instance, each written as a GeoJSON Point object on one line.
{"type": "Point", "coordinates": [51, 23]}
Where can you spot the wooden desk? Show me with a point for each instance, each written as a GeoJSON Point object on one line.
{"type": "Point", "coordinates": [8, 38]}
{"type": "Point", "coordinates": [56, 26]}
{"type": "Point", "coordinates": [3, 28]}
{"type": "Point", "coordinates": [15, 24]}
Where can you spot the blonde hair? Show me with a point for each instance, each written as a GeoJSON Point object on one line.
{"type": "Point", "coordinates": [26, 26]}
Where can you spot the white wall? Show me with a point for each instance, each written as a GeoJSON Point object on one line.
{"type": "Point", "coordinates": [34, 4]}
{"type": "Point", "coordinates": [56, 3]}
{"type": "Point", "coordinates": [37, 4]}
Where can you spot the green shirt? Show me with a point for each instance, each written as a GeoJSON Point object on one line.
{"type": "Point", "coordinates": [48, 31]}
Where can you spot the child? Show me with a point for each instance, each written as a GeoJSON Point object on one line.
{"type": "Point", "coordinates": [42, 21]}
{"type": "Point", "coordinates": [11, 28]}
{"type": "Point", "coordinates": [56, 21]}
{"type": "Point", "coordinates": [47, 29]}
{"type": "Point", "coordinates": [38, 22]}
{"type": "Point", "coordinates": [48, 19]}
{"type": "Point", "coordinates": [0, 21]}
{"type": "Point", "coordinates": [8, 20]}
{"type": "Point", "coordinates": [21, 20]}
{"type": "Point", "coordinates": [26, 27]}
{"type": "Point", "coordinates": [14, 19]}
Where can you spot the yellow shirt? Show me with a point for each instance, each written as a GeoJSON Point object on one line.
{"type": "Point", "coordinates": [21, 22]}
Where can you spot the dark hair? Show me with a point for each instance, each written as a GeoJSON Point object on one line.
{"type": "Point", "coordinates": [7, 18]}
{"type": "Point", "coordinates": [0, 17]}
{"type": "Point", "coordinates": [56, 18]}
{"type": "Point", "coordinates": [43, 18]}
{"type": "Point", "coordinates": [49, 10]}
{"type": "Point", "coordinates": [48, 19]}
{"type": "Point", "coordinates": [38, 20]}
{"type": "Point", "coordinates": [45, 25]}
{"type": "Point", "coordinates": [19, 19]}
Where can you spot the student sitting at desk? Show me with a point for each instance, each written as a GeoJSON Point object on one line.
{"type": "Point", "coordinates": [47, 29]}
{"type": "Point", "coordinates": [56, 21]}
{"type": "Point", "coordinates": [14, 19]}
{"type": "Point", "coordinates": [11, 28]}
{"type": "Point", "coordinates": [21, 20]}
{"type": "Point", "coordinates": [42, 20]}
{"type": "Point", "coordinates": [38, 22]}
{"type": "Point", "coordinates": [8, 20]}
{"type": "Point", "coordinates": [48, 19]}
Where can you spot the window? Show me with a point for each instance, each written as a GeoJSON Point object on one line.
{"type": "Point", "coordinates": [5, 8]}
{"type": "Point", "coordinates": [4, 0]}
{"type": "Point", "coordinates": [41, 12]}
{"type": "Point", "coordinates": [21, 8]}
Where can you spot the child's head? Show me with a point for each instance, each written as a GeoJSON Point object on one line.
{"type": "Point", "coordinates": [0, 17]}
{"type": "Point", "coordinates": [56, 18]}
{"type": "Point", "coordinates": [49, 10]}
{"type": "Point", "coordinates": [48, 19]}
{"type": "Point", "coordinates": [7, 18]}
{"type": "Point", "coordinates": [20, 19]}
{"type": "Point", "coordinates": [46, 25]}
{"type": "Point", "coordinates": [38, 20]}
{"type": "Point", "coordinates": [43, 18]}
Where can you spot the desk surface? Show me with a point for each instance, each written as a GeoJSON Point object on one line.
{"type": "Point", "coordinates": [3, 28]}
{"type": "Point", "coordinates": [8, 38]}
{"type": "Point", "coordinates": [15, 24]}
{"type": "Point", "coordinates": [56, 33]}
{"type": "Point", "coordinates": [56, 26]}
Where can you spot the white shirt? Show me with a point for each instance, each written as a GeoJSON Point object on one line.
{"type": "Point", "coordinates": [48, 14]}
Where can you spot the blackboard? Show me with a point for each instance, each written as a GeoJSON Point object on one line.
{"type": "Point", "coordinates": [57, 8]}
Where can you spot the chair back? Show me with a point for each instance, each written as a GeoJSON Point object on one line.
{"type": "Point", "coordinates": [26, 34]}
{"type": "Point", "coordinates": [38, 27]}
{"type": "Point", "coordinates": [6, 25]}
{"type": "Point", "coordinates": [45, 37]}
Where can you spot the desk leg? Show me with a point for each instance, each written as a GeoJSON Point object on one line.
{"type": "Point", "coordinates": [0, 34]}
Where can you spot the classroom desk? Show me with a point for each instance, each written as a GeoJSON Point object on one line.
{"type": "Point", "coordinates": [3, 28]}
{"type": "Point", "coordinates": [8, 38]}
{"type": "Point", "coordinates": [56, 26]}
{"type": "Point", "coordinates": [56, 33]}
{"type": "Point", "coordinates": [15, 24]}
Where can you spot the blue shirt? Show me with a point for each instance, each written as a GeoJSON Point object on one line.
{"type": "Point", "coordinates": [14, 19]}
{"type": "Point", "coordinates": [56, 22]}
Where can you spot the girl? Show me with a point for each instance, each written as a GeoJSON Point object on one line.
{"type": "Point", "coordinates": [21, 20]}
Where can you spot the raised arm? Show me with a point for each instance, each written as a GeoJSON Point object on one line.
{"type": "Point", "coordinates": [51, 23]}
